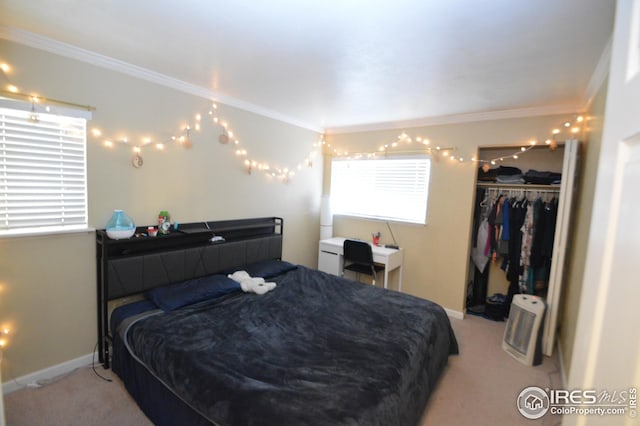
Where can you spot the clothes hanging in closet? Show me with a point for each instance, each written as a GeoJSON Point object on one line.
{"type": "Point", "coordinates": [477, 292]}
{"type": "Point", "coordinates": [514, 268]}
{"type": "Point", "coordinates": [542, 246]}
{"type": "Point", "coordinates": [519, 235]}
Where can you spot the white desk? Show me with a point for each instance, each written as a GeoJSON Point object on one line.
{"type": "Point", "coordinates": [330, 258]}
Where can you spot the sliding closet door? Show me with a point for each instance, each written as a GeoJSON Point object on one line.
{"type": "Point", "coordinates": [558, 259]}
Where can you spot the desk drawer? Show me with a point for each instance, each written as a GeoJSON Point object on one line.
{"type": "Point", "coordinates": [330, 262]}
{"type": "Point", "coordinates": [330, 248]}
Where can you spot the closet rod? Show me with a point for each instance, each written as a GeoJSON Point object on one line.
{"type": "Point", "coordinates": [525, 186]}
{"type": "Point", "coordinates": [523, 190]}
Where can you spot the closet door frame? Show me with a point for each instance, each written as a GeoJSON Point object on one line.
{"type": "Point", "coordinates": [562, 232]}
{"type": "Point", "coordinates": [566, 196]}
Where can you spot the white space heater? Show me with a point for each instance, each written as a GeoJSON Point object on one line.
{"type": "Point", "coordinates": [523, 335]}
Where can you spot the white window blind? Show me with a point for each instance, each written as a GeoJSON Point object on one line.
{"type": "Point", "coordinates": [42, 172]}
{"type": "Point", "coordinates": [391, 188]}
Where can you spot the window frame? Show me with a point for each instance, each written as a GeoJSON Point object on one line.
{"type": "Point", "coordinates": [59, 116]}
{"type": "Point", "coordinates": [415, 219]}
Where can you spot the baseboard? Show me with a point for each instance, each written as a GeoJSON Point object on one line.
{"type": "Point", "coordinates": [46, 374]}
{"type": "Point", "coordinates": [454, 314]}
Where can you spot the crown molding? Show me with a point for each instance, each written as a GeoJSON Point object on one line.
{"type": "Point", "coordinates": [599, 75]}
{"type": "Point", "coordinates": [460, 118]}
{"type": "Point", "coordinates": [63, 49]}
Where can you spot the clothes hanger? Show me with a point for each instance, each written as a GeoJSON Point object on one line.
{"type": "Point", "coordinates": [483, 203]}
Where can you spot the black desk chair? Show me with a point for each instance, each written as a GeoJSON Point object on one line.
{"type": "Point", "coordinates": [358, 257]}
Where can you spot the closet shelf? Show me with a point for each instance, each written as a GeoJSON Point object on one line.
{"type": "Point", "coordinates": [517, 186]}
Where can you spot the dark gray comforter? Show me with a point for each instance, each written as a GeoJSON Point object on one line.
{"type": "Point", "coordinates": [317, 350]}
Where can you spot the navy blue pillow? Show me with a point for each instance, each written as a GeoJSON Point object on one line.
{"type": "Point", "coordinates": [268, 268]}
{"type": "Point", "coordinates": [188, 292]}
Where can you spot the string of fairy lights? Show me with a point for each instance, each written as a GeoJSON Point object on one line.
{"type": "Point", "coordinates": [404, 143]}
{"type": "Point", "coordinates": [5, 332]}
{"type": "Point", "coordinates": [228, 136]}
{"type": "Point", "coordinates": [4, 337]}
{"type": "Point", "coordinates": [182, 137]}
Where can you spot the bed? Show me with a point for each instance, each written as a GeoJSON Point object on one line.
{"type": "Point", "coordinates": [316, 350]}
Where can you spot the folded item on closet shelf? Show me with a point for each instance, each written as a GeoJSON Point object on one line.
{"type": "Point", "coordinates": [508, 171]}
{"type": "Point", "coordinates": [513, 179]}
{"type": "Point", "coordinates": [542, 178]}
{"type": "Point", "coordinates": [493, 175]}
{"type": "Point", "coordinates": [488, 176]}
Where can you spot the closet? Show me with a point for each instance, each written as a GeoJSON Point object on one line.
{"type": "Point", "coordinates": [526, 198]}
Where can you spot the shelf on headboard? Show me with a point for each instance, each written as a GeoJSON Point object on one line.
{"type": "Point", "coordinates": [137, 245]}
{"type": "Point", "coordinates": [199, 233]}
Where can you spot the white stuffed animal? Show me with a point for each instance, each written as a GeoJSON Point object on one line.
{"type": "Point", "coordinates": [251, 285]}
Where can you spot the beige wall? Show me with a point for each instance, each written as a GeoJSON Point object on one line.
{"type": "Point", "coordinates": [437, 254]}
{"type": "Point", "coordinates": [577, 252]}
{"type": "Point", "coordinates": [47, 284]}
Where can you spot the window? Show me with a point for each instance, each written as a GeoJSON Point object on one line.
{"type": "Point", "coordinates": [42, 172]}
{"type": "Point", "coordinates": [391, 188]}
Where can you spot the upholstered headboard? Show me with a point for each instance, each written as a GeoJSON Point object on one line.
{"type": "Point", "coordinates": [137, 264]}
{"type": "Point", "coordinates": [135, 274]}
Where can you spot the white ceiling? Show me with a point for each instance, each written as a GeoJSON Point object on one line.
{"type": "Point", "coordinates": [346, 64]}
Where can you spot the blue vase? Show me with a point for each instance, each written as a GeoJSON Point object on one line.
{"type": "Point", "coordinates": [120, 226]}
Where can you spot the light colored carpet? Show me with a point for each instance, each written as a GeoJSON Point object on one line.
{"type": "Point", "coordinates": [479, 387]}
{"type": "Point", "coordinates": [78, 399]}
